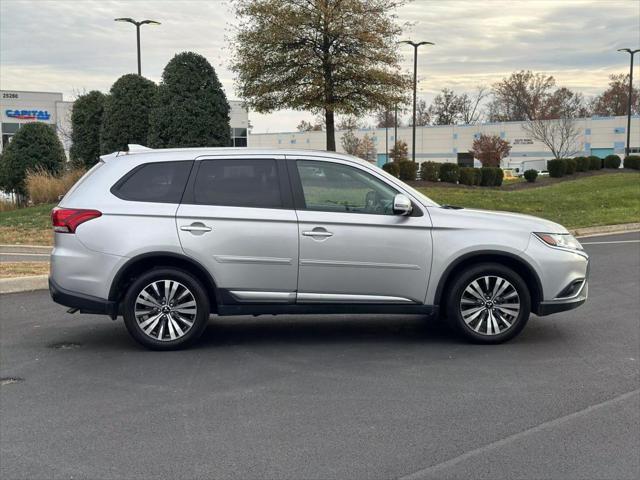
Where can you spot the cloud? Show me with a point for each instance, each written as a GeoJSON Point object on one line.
{"type": "Point", "coordinates": [73, 46]}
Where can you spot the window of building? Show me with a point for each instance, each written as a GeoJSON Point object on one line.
{"type": "Point", "coordinates": [238, 183]}
{"type": "Point", "coordinates": [333, 187]}
{"type": "Point", "coordinates": [161, 182]}
{"type": "Point", "coordinates": [239, 137]}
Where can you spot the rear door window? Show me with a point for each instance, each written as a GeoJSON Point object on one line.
{"type": "Point", "coordinates": [238, 183]}
{"type": "Point", "coordinates": [161, 182]}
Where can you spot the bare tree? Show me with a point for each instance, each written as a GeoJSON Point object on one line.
{"type": "Point", "coordinates": [559, 135]}
{"type": "Point", "coordinates": [422, 114]}
{"type": "Point", "coordinates": [470, 105]}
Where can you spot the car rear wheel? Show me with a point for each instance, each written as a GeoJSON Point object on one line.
{"type": "Point", "coordinates": [489, 303]}
{"type": "Point", "coordinates": [166, 309]}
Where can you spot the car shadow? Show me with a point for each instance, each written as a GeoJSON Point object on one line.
{"type": "Point", "coordinates": [358, 329]}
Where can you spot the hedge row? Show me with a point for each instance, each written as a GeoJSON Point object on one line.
{"type": "Point", "coordinates": [632, 161]}
{"type": "Point", "coordinates": [568, 166]}
{"type": "Point", "coordinates": [406, 170]}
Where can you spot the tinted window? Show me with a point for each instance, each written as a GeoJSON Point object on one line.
{"type": "Point", "coordinates": [238, 183]}
{"type": "Point", "coordinates": [334, 187]}
{"type": "Point", "coordinates": [161, 182]}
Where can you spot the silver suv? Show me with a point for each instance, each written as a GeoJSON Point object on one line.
{"type": "Point", "coordinates": [167, 237]}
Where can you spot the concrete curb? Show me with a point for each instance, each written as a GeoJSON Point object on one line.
{"type": "Point", "coordinates": [41, 282]}
{"type": "Point", "coordinates": [24, 284]}
{"type": "Point", "coordinates": [606, 230]}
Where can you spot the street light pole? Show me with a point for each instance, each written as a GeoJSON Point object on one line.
{"type": "Point", "coordinates": [138, 24]}
{"type": "Point", "coordinates": [631, 53]}
{"type": "Point", "coordinates": [415, 83]}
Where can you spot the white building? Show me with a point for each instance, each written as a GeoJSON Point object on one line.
{"type": "Point", "coordinates": [20, 107]}
{"type": "Point", "coordinates": [600, 136]}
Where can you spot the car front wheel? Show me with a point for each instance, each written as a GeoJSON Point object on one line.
{"type": "Point", "coordinates": [489, 303]}
{"type": "Point", "coordinates": [166, 309]}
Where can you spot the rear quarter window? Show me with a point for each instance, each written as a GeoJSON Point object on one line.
{"type": "Point", "coordinates": [161, 182]}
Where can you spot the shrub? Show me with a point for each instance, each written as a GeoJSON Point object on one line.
{"type": "Point", "coordinates": [595, 163]}
{"type": "Point", "coordinates": [429, 171]}
{"type": "Point", "coordinates": [467, 176]}
{"type": "Point", "coordinates": [86, 118]}
{"type": "Point", "coordinates": [392, 167]}
{"type": "Point", "coordinates": [408, 170]}
{"type": "Point", "coordinates": [449, 172]}
{"type": "Point", "coordinates": [125, 118]}
{"type": "Point", "coordinates": [530, 175]}
{"type": "Point", "coordinates": [570, 166]}
{"type": "Point", "coordinates": [43, 187]}
{"type": "Point", "coordinates": [556, 168]}
{"type": "Point", "coordinates": [491, 176]}
{"type": "Point", "coordinates": [190, 108]}
{"type": "Point", "coordinates": [632, 161]}
{"type": "Point", "coordinates": [477, 176]}
{"type": "Point", "coordinates": [582, 164]}
{"type": "Point", "coordinates": [612, 161]}
{"type": "Point", "coordinates": [34, 146]}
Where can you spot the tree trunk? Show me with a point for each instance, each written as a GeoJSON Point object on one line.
{"type": "Point", "coordinates": [331, 130]}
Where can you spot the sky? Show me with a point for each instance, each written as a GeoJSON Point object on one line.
{"type": "Point", "coordinates": [75, 46]}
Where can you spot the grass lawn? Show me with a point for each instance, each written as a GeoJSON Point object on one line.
{"type": "Point", "coordinates": [26, 226]}
{"type": "Point", "coordinates": [584, 202]}
{"type": "Point", "coordinates": [22, 269]}
{"type": "Point", "coordinates": [591, 201]}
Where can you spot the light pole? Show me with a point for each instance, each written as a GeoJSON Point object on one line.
{"type": "Point", "coordinates": [631, 54]}
{"type": "Point", "coordinates": [415, 82]}
{"type": "Point", "coordinates": [137, 24]}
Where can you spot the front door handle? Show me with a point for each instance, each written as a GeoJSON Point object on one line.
{"type": "Point", "coordinates": [317, 232]}
{"type": "Point", "coordinates": [195, 227]}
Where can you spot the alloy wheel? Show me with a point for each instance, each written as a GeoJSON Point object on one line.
{"type": "Point", "coordinates": [165, 310]}
{"type": "Point", "coordinates": [490, 305]}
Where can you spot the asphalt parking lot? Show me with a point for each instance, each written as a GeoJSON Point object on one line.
{"type": "Point", "coordinates": [333, 397]}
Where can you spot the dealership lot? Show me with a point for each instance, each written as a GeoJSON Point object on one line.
{"type": "Point", "coordinates": [332, 397]}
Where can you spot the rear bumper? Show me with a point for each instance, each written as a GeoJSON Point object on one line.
{"type": "Point", "coordinates": [85, 303]}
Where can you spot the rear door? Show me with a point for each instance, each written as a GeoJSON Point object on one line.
{"type": "Point", "coordinates": [237, 219]}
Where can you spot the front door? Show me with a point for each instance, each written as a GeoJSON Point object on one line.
{"type": "Point", "coordinates": [237, 220]}
{"type": "Point", "coordinates": [353, 249]}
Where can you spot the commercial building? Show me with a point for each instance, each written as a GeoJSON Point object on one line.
{"type": "Point", "coordinates": [20, 107]}
{"type": "Point", "coordinates": [600, 136]}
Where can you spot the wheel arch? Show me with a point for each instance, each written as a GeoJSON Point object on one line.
{"type": "Point", "coordinates": [520, 266]}
{"type": "Point", "coordinates": [147, 261]}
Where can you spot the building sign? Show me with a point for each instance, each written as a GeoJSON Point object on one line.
{"type": "Point", "coordinates": [522, 141]}
{"type": "Point", "coordinates": [28, 114]}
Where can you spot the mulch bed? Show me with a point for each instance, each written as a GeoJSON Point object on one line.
{"type": "Point", "coordinates": [540, 181]}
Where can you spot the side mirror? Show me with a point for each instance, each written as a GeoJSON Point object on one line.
{"type": "Point", "coordinates": [402, 205]}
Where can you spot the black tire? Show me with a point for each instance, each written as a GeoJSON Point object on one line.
{"type": "Point", "coordinates": [187, 283]}
{"type": "Point", "coordinates": [482, 328]}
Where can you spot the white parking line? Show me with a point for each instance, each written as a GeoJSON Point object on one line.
{"type": "Point", "coordinates": [616, 241]}
{"type": "Point", "coordinates": [12, 254]}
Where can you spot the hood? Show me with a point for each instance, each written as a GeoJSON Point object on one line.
{"type": "Point", "coordinates": [465, 218]}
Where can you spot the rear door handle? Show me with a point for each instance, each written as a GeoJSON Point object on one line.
{"type": "Point", "coordinates": [195, 227]}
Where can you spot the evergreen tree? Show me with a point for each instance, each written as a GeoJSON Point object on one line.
{"type": "Point", "coordinates": [34, 146]}
{"type": "Point", "coordinates": [86, 120]}
{"type": "Point", "coordinates": [191, 109]}
{"type": "Point", "coordinates": [126, 113]}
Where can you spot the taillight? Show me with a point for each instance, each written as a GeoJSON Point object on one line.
{"type": "Point", "coordinates": [66, 220]}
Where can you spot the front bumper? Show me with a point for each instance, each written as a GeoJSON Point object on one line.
{"type": "Point", "coordinates": [564, 304]}
{"type": "Point", "coordinates": [84, 303]}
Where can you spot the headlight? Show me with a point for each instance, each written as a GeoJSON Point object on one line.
{"type": "Point", "coordinates": [560, 240]}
